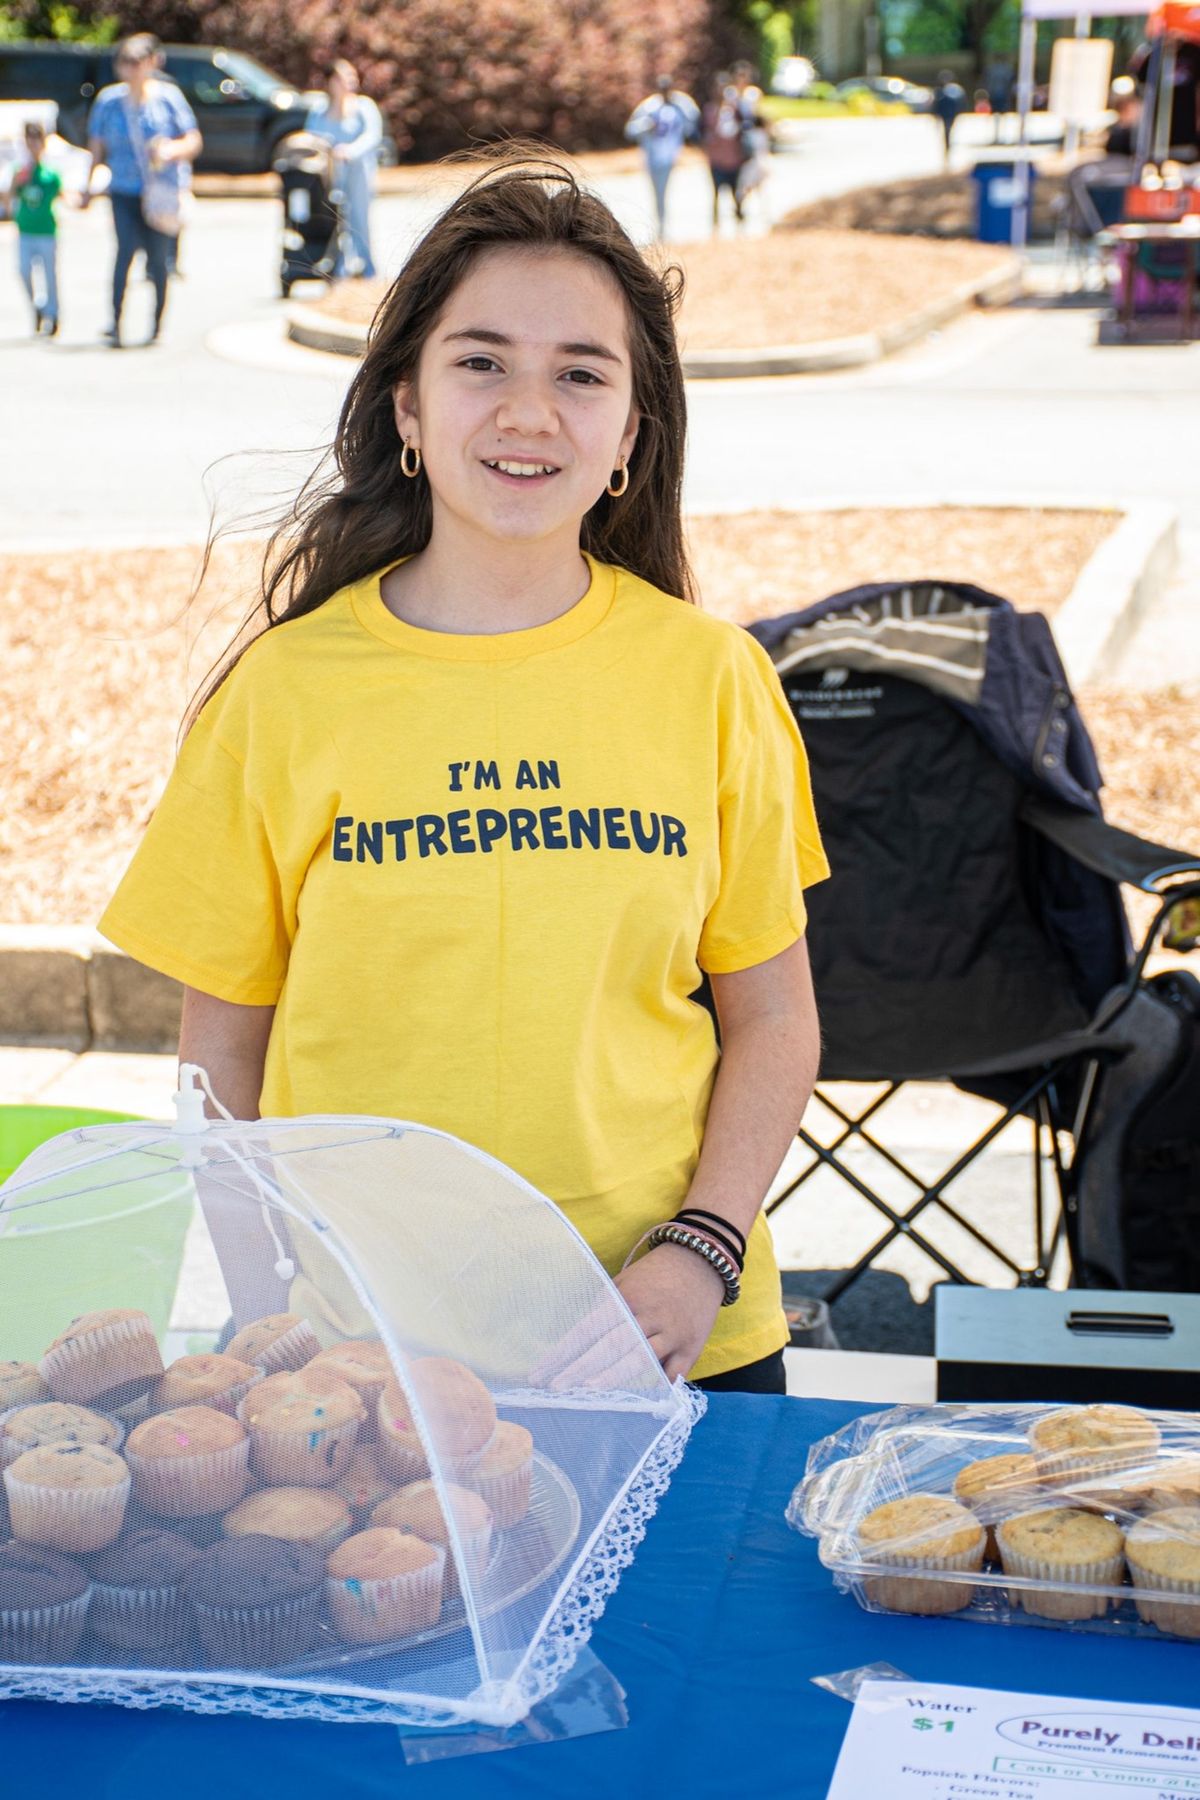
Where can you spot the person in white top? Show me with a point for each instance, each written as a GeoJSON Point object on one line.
{"type": "Point", "coordinates": [662, 124]}
{"type": "Point", "coordinates": [352, 125]}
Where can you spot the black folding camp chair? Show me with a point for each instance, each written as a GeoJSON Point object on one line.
{"type": "Point", "coordinates": [972, 930]}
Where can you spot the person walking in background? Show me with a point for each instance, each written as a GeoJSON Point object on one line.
{"type": "Point", "coordinates": [31, 199]}
{"type": "Point", "coordinates": [756, 138]}
{"type": "Point", "coordinates": [662, 124]}
{"type": "Point", "coordinates": [352, 125]}
{"type": "Point", "coordinates": [146, 132]}
{"type": "Point", "coordinates": [949, 99]}
{"type": "Point", "coordinates": [724, 140]}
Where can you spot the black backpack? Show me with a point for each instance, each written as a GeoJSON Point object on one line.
{"type": "Point", "coordinates": [1137, 1175]}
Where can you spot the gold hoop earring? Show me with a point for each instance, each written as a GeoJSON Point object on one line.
{"type": "Point", "coordinates": [622, 481]}
{"type": "Point", "coordinates": [411, 468]}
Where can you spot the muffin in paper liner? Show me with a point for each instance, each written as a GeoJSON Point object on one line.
{"type": "Point", "coordinates": [256, 1637]}
{"type": "Point", "coordinates": [931, 1533]}
{"type": "Point", "coordinates": [1163, 1556]}
{"type": "Point", "coordinates": [503, 1477]}
{"type": "Point", "coordinates": [303, 1426]}
{"type": "Point", "coordinates": [217, 1380]}
{"type": "Point", "coordinates": [992, 1487]}
{"type": "Point", "coordinates": [139, 1618]}
{"type": "Point", "coordinates": [1080, 1443]}
{"type": "Point", "coordinates": [371, 1610]}
{"type": "Point", "coordinates": [58, 1422]}
{"type": "Point", "coordinates": [1066, 1549]}
{"type": "Point", "coordinates": [137, 1589]}
{"type": "Point", "coordinates": [108, 1356]}
{"type": "Point", "coordinates": [21, 1384]}
{"type": "Point", "coordinates": [417, 1510]}
{"type": "Point", "coordinates": [459, 1412]}
{"type": "Point", "coordinates": [74, 1516]}
{"type": "Point", "coordinates": [318, 1517]}
{"type": "Point", "coordinates": [256, 1601]}
{"type": "Point", "coordinates": [279, 1343]}
{"type": "Point", "coordinates": [43, 1634]}
{"type": "Point", "coordinates": [185, 1486]}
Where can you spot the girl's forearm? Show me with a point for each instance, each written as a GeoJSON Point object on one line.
{"type": "Point", "coordinates": [229, 1042]}
{"type": "Point", "coordinates": [768, 1069]}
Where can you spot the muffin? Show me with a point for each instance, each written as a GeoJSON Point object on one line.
{"type": "Point", "coordinates": [43, 1605]}
{"type": "Point", "coordinates": [458, 1411]}
{"type": "Point", "coordinates": [303, 1426]}
{"type": "Point", "coordinates": [1067, 1548]}
{"type": "Point", "coordinates": [67, 1497]}
{"type": "Point", "coordinates": [257, 1600]}
{"type": "Point", "coordinates": [362, 1365]}
{"type": "Point", "coordinates": [417, 1510]}
{"type": "Point", "coordinates": [362, 1484]}
{"type": "Point", "coordinates": [993, 1488]}
{"type": "Point", "coordinates": [55, 1422]}
{"type": "Point", "coordinates": [503, 1474]}
{"type": "Point", "coordinates": [930, 1532]}
{"type": "Point", "coordinates": [210, 1380]}
{"type": "Point", "coordinates": [103, 1357]}
{"type": "Point", "coordinates": [138, 1601]}
{"type": "Point", "coordinates": [297, 1515]}
{"type": "Point", "coordinates": [189, 1461]}
{"type": "Point", "coordinates": [1170, 1482]}
{"type": "Point", "coordinates": [1163, 1554]}
{"type": "Point", "coordinates": [20, 1385]}
{"type": "Point", "coordinates": [1083, 1442]}
{"type": "Point", "coordinates": [383, 1584]}
{"type": "Point", "coordinates": [278, 1342]}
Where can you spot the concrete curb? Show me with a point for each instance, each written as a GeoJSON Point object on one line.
{"type": "Point", "coordinates": [1114, 590]}
{"type": "Point", "coordinates": [64, 986]}
{"type": "Point", "coordinates": [342, 337]}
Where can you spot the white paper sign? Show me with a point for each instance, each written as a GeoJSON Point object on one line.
{"type": "Point", "coordinates": [907, 1739]}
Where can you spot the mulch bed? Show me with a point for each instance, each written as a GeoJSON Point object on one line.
{"type": "Point", "coordinates": [100, 653]}
{"type": "Point", "coordinates": [789, 288]}
{"type": "Point", "coordinates": [935, 206]}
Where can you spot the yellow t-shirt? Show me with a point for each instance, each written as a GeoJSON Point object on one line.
{"type": "Point", "coordinates": [479, 878]}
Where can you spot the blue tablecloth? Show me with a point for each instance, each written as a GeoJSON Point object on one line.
{"type": "Point", "coordinates": [715, 1634]}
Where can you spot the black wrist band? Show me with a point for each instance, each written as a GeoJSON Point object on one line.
{"type": "Point", "coordinates": [728, 1233]}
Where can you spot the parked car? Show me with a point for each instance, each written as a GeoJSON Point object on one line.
{"type": "Point", "coordinates": [888, 88]}
{"type": "Point", "coordinates": [792, 76]}
{"type": "Point", "coordinates": [242, 109]}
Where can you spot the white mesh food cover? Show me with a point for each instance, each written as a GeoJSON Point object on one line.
{"type": "Point", "coordinates": [325, 1417]}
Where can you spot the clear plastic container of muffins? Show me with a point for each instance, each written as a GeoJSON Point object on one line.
{"type": "Point", "coordinates": [1079, 1517]}
{"type": "Point", "coordinates": [331, 1418]}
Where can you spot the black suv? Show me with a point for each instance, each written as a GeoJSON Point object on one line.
{"type": "Point", "coordinates": [241, 108]}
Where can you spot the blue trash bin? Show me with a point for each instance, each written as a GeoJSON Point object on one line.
{"type": "Point", "coordinates": [998, 190]}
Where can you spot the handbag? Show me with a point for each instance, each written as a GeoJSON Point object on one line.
{"type": "Point", "coordinates": [162, 192]}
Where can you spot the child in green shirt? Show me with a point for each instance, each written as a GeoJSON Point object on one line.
{"type": "Point", "coordinates": [31, 203]}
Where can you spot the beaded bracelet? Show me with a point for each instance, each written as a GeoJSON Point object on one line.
{"type": "Point", "coordinates": [714, 1256]}
{"type": "Point", "coordinates": [720, 1230]}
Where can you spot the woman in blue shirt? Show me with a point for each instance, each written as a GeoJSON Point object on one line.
{"type": "Point", "coordinates": [146, 132]}
{"type": "Point", "coordinates": [352, 125]}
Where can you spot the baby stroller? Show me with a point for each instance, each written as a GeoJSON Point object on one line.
{"type": "Point", "coordinates": [311, 221]}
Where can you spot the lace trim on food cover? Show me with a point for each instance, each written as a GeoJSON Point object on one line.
{"type": "Point", "coordinates": [597, 1576]}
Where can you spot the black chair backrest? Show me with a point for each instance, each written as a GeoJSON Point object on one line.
{"type": "Point", "coordinates": [928, 953]}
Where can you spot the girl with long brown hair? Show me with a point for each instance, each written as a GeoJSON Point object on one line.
{"type": "Point", "coordinates": [457, 836]}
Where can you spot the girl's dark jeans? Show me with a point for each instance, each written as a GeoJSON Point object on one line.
{"type": "Point", "coordinates": [133, 234]}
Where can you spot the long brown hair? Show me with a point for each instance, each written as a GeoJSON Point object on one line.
{"type": "Point", "coordinates": [364, 513]}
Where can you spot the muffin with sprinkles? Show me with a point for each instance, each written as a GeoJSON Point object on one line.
{"type": "Point", "coordinates": [189, 1461]}
{"type": "Point", "coordinates": [303, 1427]}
